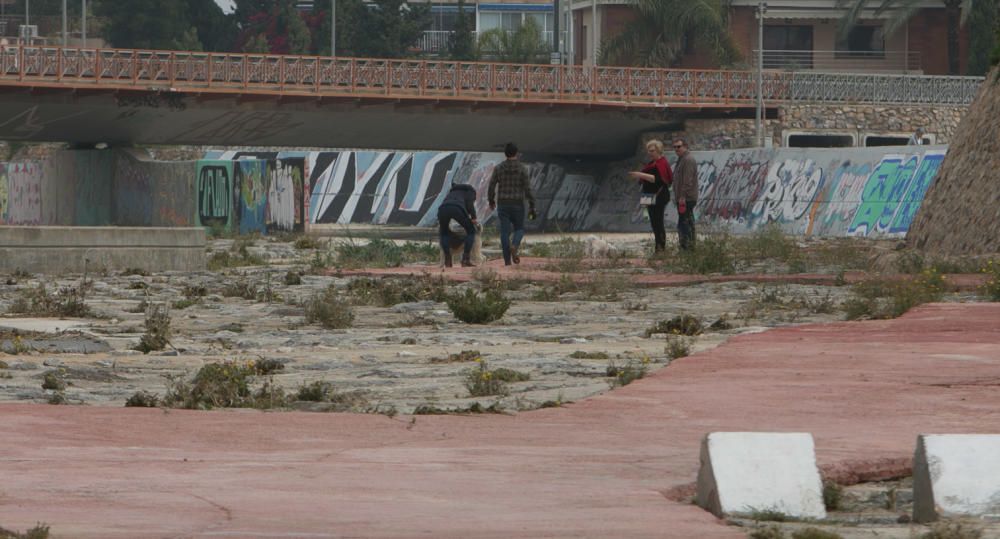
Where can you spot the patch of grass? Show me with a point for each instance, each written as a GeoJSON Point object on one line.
{"type": "Point", "coordinates": [633, 306]}
{"type": "Point", "coordinates": [632, 370]}
{"type": "Point", "coordinates": [991, 288]}
{"type": "Point", "coordinates": [307, 242]}
{"type": "Point", "coordinates": [238, 255]}
{"type": "Point", "coordinates": [53, 380]}
{"type": "Point", "coordinates": [182, 304]}
{"type": "Point", "coordinates": [194, 291]}
{"type": "Point", "coordinates": [565, 254]}
{"type": "Point", "coordinates": [137, 285]}
{"type": "Point", "coordinates": [40, 531]}
{"type": "Point", "coordinates": [267, 367]}
{"type": "Point", "coordinates": [318, 391]}
{"type": "Point", "coordinates": [329, 310]}
{"type": "Point", "coordinates": [143, 399]}
{"type": "Point", "coordinates": [553, 292]}
{"type": "Point", "coordinates": [473, 308]}
{"type": "Point", "coordinates": [952, 530]}
{"type": "Point", "coordinates": [157, 334]}
{"type": "Point", "coordinates": [57, 398]}
{"type": "Point", "coordinates": [383, 253]}
{"type": "Point", "coordinates": [768, 515]}
{"type": "Point", "coordinates": [815, 533]}
{"type": "Point", "coordinates": [458, 357]}
{"type": "Point", "coordinates": [767, 243]}
{"type": "Point", "coordinates": [881, 299]}
{"type": "Point", "coordinates": [474, 408]}
{"type": "Point", "coordinates": [684, 324]}
{"type": "Point", "coordinates": [833, 496]}
{"type": "Point", "coordinates": [134, 271]}
{"type": "Point", "coordinates": [293, 278]}
{"type": "Point", "coordinates": [510, 375]}
{"type": "Point", "coordinates": [67, 302]}
{"type": "Point", "coordinates": [677, 347]}
{"type": "Point", "coordinates": [767, 532]}
{"type": "Point", "coordinates": [580, 354]}
{"type": "Point", "coordinates": [223, 385]}
{"type": "Point", "coordinates": [482, 382]}
{"type": "Point", "coordinates": [605, 286]}
{"type": "Point", "coordinates": [240, 288]}
{"type": "Point", "coordinates": [388, 292]}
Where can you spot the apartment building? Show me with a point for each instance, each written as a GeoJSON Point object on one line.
{"type": "Point", "coordinates": [798, 34]}
{"type": "Point", "coordinates": [508, 15]}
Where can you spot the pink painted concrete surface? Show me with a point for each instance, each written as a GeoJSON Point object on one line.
{"type": "Point", "coordinates": [606, 467]}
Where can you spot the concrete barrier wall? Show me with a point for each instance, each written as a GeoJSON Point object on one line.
{"type": "Point", "coordinates": [872, 192]}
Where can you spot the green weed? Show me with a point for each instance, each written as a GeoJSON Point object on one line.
{"type": "Point", "coordinates": [624, 375]}
{"type": "Point", "coordinates": [473, 308]}
{"type": "Point", "coordinates": [329, 310]}
{"type": "Point", "coordinates": [389, 292]}
{"type": "Point", "coordinates": [157, 334]}
{"type": "Point", "coordinates": [952, 530]}
{"type": "Point", "coordinates": [67, 302]}
{"type": "Point", "coordinates": [991, 288]}
{"type": "Point", "coordinates": [383, 253]}
{"type": "Point", "coordinates": [143, 399]}
{"type": "Point", "coordinates": [40, 531]}
{"type": "Point", "coordinates": [482, 382]}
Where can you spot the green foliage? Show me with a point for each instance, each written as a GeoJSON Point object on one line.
{"type": "Point", "coordinates": [714, 253]}
{"type": "Point", "coordinates": [329, 310]}
{"type": "Point", "coordinates": [238, 255]}
{"type": "Point", "coordinates": [473, 308]}
{"type": "Point", "coordinates": [143, 399]}
{"type": "Point", "coordinates": [307, 242]}
{"type": "Point", "coordinates": [510, 375]}
{"type": "Point", "coordinates": [952, 530]}
{"type": "Point", "coordinates": [223, 385]}
{"type": "Point", "coordinates": [624, 375]}
{"type": "Point", "coordinates": [768, 515]}
{"type": "Point", "coordinates": [580, 354]}
{"type": "Point", "coordinates": [662, 29]}
{"type": "Point", "coordinates": [40, 531]}
{"type": "Point", "coordinates": [482, 382]}
{"type": "Point", "coordinates": [53, 380]}
{"type": "Point", "coordinates": [293, 278]}
{"type": "Point", "coordinates": [522, 46]}
{"type": "Point", "coordinates": [677, 347]}
{"type": "Point", "coordinates": [157, 334]}
{"type": "Point", "coordinates": [379, 28]}
{"type": "Point", "coordinates": [768, 243]}
{"type": "Point", "coordinates": [984, 36]}
{"type": "Point", "coordinates": [880, 298]}
{"type": "Point", "coordinates": [165, 24]}
{"type": "Point", "coordinates": [383, 253]}
{"type": "Point", "coordinates": [462, 41]}
{"type": "Point", "coordinates": [833, 495]}
{"type": "Point", "coordinates": [991, 287]}
{"type": "Point", "coordinates": [815, 533]}
{"type": "Point", "coordinates": [387, 292]}
{"type": "Point", "coordinates": [317, 391]}
{"type": "Point", "coordinates": [684, 324]}
{"type": "Point", "coordinates": [767, 532]}
{"type": "Point", "coordinates": [67, 302]}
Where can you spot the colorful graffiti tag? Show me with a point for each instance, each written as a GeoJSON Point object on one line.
{"type": "Point", "coordinates": [215, 194]}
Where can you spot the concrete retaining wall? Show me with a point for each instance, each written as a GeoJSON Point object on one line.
{"type": "Point", "coordinates": [872, 192]}
{"type": "Point", "coordinates": [56, 249]}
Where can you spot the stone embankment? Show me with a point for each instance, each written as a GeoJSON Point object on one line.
{"type": "Point", "coordinates": [961, 210]}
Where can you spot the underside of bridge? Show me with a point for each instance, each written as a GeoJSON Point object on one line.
{"type": "Point", "coordinates": [119, 117]}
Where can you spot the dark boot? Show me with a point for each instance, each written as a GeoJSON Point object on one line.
{"type": "Point", "coordinates": [513, 254]}
{"type": "Point", "coordinates": [466, 263]}
{"type": "Point", "coordinates": [447, 258]}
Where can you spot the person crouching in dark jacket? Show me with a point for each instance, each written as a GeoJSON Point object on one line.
{"type": "Point", "coordinates": [459, 204]}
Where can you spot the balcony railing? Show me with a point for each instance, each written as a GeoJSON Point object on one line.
{"type": "Point", "coordinates": [117, 69]}
{"type": "Point", "coordinates": [436, 41]}
{"type": "Point", "coordinates": [841, 61]}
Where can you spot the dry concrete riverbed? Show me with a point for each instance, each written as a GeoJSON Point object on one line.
{"type": "Point", "coordinates": [393, 358]}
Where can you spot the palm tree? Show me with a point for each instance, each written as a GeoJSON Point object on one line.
{"type": "Point", "coordinates": [956, 12]}
{"type": "Point", "coordinates": [663, 29]}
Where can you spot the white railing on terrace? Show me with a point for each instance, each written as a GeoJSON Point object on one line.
{"type": "Point", "coordinates": [905, 62]}
{"type": "Point", "coordinates": [117, 69]}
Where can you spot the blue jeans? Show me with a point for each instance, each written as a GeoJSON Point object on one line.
{"type": "Point", "coordinates": [445, 215]}
{"type": "Point", "coordinates": [685, 226]}
{"type": "Point", "coordinates": [511, 218]}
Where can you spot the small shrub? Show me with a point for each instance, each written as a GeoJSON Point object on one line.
{"type": "Point", "coordinates": [307, 242]}
{"type": "Point", "coordinates": [473, 308]}
{"type": "Point", "coordinates": [137, 285]}
{"type": "Point", "coordinates": [53, 380]}
{"type": "Point", "coordinates": [383, 253]}
{"type": "Point", "coordinates": [329, 310]}
{"type": "Point", "coordinates": [318, 391]}
{"type": "Point", "coordinates": [579, 354]}
{"type": "Point", "coordinates": [238, 255]}
{"type": "Point", "coordinates": [40, 531]}
{"type": "Point", "coordinates": [157, 334]}
{"type": "Point", "coordinates": [58, 398]}
{"type": "Point", "coordinates": [482, 382]}
{"type": "Point", "coordinates": [677, 347]}
{"type": "Point", "coordinates": [67, 302]}
{"type": "Point", "coordinates": [767, 532]}
{"type": "Point", "coordinates": [464, 355]}
{"type": "Point", "coordinates": [293, 278]}
{"type": "Point", "coordinates": [194, 291]}
{"type": "Point", "coordinates": [879, 299]}
{"type": "Point", "coordinates": [182, 304]}
{"type": "Point", "coordinates": [832, 495]}
{"type": "Point", "coordinates": [143, 399]}
{"type": "Point", "coordinates": [267, 367]}
{"type": "Point", "coordinates": [389, 292]}
{"type": "Point", "coordinates": [768, 243]}
{"type": "Point", "coordinates": [216, 385]}
{"type": "Point", "coordinates": [134, 271]}
{"type": "Point", "coordinates": [712, 254]}
{"type": "Point", "coordinates": [952, 530]}
{"type": "Point", "coordinates": [768, 515]}
{"type": "Point", "coordinates": [991, 288]}
{"type": "Point", "coordinates": [685, 324]}
{"type": "Point", "coordinates": [605, 286]}
{"type": "Point", "coordinates": [624, 375]}
{"type": "Point", "coordinates": [815, 533]}
{"type": "Point", "coordinates": [241, 288]}
{"type": "Point", "coordinates": [510, 375]}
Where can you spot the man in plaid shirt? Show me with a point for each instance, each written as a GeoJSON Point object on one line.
{"type": "Point", "coordinates": [509, 187]}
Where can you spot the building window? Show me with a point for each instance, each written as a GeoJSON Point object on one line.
{"type": "Point", "coordinates": [819, 140]}
{"type": "Point", "coordinates": [862, 42]}
{"type": "Point", "coordinates": [788, 46]}
{"type": "Point", "coordinates": [511, 21]}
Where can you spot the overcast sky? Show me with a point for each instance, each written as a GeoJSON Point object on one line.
{"type": "Point", "coordinates": [227, 5]}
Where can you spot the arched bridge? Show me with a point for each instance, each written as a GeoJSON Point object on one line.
{"type": "Point", "coordinates": [169, 97]}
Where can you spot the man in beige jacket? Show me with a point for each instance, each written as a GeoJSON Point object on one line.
{"type": "Point", "coordinates": [685, 192]}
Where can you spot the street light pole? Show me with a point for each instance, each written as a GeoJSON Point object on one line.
{"type": "Point", "coordinates": [761, 10]}
{"type": "Point", "coordinates": [83, 29]}
{"type": "Point", "coordinates": [333, 28]}
{"type": "Point", "coordinates": [593, 32]}
{"type": "Point", "coordinates": [65, 26]}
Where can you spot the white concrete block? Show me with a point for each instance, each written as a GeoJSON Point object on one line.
{"type": "Point", "coordinates": [743, 472]}
{"type": "Point", "coordinates": [956, 475]}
